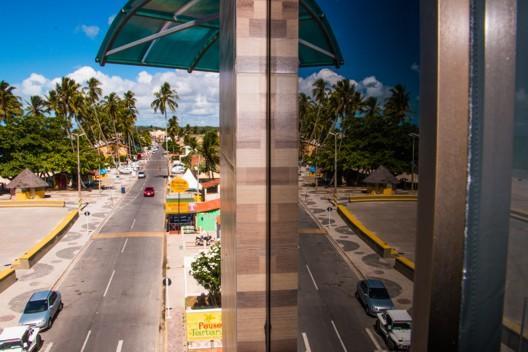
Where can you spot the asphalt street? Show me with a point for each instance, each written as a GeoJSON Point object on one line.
{"type": "Point", "coordinates": [330, 317]}
{"type": "Point", "coordinates": [112, 295]}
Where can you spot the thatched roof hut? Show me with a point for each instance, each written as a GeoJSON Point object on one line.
{"type": "Point", "coordinates": [381, 176]}
{"type": "Point", "coordinates": [27, 180]}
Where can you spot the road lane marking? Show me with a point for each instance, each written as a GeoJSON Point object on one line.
{"type": "Point", "coordinates": [109, 282]}
{"type": "Point", "coordinates": [306, 342]}
{"type": "Point", "coordinates": [313, 279]}
{"type": "Point", "coordinates": [124, 245]}
{"type": "Point", "coordinates": [119, 346]}
{"type": "Point", "coordinates": [373, 339]}
{"type": "Point", "coordinates": [107, 235]}
{"type": "Point", "coordinates": [133, 223]}
{"type": "Point", "coordinates": [339, 336]}
{"type": "Point", "coordinates": [86, 340]}
{"type": "Point", "coordinates": [48, 349]}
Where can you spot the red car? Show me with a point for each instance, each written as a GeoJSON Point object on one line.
{"type": "Point", "coordinates": [149, 192]}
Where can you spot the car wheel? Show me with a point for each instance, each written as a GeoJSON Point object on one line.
{"type": "Point", "coordinates": [378, 326]}
{"type": "Point", "coordinates": [61, 306]}
{"type": "Point", "coordinates": [391, 345]}
{"type": "Point", "coordinates": [50, 321]}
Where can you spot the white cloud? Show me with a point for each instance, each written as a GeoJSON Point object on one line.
{"type": "Point", "coordinates": [90, 31]}
{"type": "Point", "coordinates": [111, 19]}
{"type": "Point", "coordinates": [369, 86]}
{"type": "Point", "coordinates": [415, 67]}
{"type": "Point", "coordinates": [198, 92]}
{"type": "Point", "coordinates": [34, 84]}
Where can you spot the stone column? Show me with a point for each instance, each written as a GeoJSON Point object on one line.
{"type": "Point", "coordinates": [258, 123]}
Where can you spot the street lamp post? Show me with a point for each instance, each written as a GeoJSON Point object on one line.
{"type": "Point", "coordinates": [335, 134]}
{"type": "Point", "coordinates": [413, 136]}
{"type": "Point", "coordinates": [79, 195]}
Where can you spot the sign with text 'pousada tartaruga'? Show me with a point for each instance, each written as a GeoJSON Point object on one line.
{"type": "Point", "coordinates": [204, 327]}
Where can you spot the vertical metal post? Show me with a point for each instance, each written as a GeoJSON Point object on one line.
{"type": "Point", "coordinates": [335, 166]}
{"type": "Point", "coordinates": [412, 166]}
{"type": "Point", "coordinates": [315, 174]}
{"type": "Point", "coordinates": [78, 173]}
{"type": "Point", "coordinates": [523, 320]}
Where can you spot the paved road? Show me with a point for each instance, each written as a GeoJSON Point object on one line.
{"type": "Point", "coordinates": [330, 317]}
{"type": "Point", "coordinates": [112, 295]}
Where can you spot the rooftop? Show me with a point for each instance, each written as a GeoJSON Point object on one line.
{"type": "Point", "coordinates": [13, 333]}
{"type": "Point", "coordinates": [27, 179]}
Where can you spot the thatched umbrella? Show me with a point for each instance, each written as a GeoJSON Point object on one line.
{"type": "Point", "coordinates": [27, 181]}
{"type": "Point", "coordinates": [380, 177]}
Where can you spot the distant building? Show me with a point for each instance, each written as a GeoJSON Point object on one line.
{"type": "Point", "coordinates": [27, 185]}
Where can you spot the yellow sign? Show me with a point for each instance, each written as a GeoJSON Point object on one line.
{"type": "Point", "coordinates": [204, 325]}
{"type": "Point", "coordinates": [179, 185]}
{"type": "Point", "coordinates": [172, 208]}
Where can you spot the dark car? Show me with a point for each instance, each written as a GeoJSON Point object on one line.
{"type": "Point", "coordinates": [149, 192]}
{"type": "Point", "coordinates": [373, 296]}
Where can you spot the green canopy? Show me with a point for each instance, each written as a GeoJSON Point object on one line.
{"type": "Point", "coordinates": [184, 34]}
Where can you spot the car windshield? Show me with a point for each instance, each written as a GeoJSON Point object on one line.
{"type": "Point", "coordinates": [401, 325]}
{"type": "Point", "coordinates": [36, 307]}
{"type": "Point", "coordinates": [10, 345]}
{"type": "Point", "coordinates": [378, 293]}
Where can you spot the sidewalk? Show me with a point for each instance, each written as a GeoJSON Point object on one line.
{"type": "Point", "coordinates": [49, 270]}
{"type": "Point", "coordinates": [361, 258]}
{"type": "Point", "coordinates": [181, 251]}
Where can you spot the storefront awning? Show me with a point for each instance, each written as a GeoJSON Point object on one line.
{"type": "Point", "coordinates": [184, 34]}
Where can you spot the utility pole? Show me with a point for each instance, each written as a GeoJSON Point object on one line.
{"type": "Point", "coordinates": [79, 195]}
{"type": "Point", "coordinates": [413, 136]}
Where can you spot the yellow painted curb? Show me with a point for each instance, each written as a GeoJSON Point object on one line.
{"type": "Point", "coordinates": [381, 198]}
{"type": "Point", "coordinates": [511, 332]}
{"type": "Point", "coordinates": [7, 278]}
{"type": "Point", "coordinates": [30, 257]}
{"type": "Point", "coordinates": [31, 203]}
{"type": "Point", "coordinates": [405, 266]}
{"type": "Point", "coordinates": [372, 238]}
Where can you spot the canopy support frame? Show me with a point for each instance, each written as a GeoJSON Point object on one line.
{"type": "Point", "coordinates": [202, 52]}
{"type": "Point", "coordinates": [317, 48]}
{"type": "Point", "coordinates": [161, 34]}
{"type": "Point", "coordinates": [316, 17]}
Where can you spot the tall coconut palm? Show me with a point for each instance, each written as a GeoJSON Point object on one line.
{"type": "Point", "coordinates": [64, 101]}
{"type": "Point", "coordinates": [93, 93]}
{"type": "Point", "coordinates": [165, 98]}
{"type": "Point", "coordinates": [173, 129]}
{"type": "Point", "coordinates": [397, 106]}
{"type": "Point", "coordinates": [128, 118]}
{"type": "Point", "coordinates": [36, 106]}
{"type": "Point", "coordinates": [111, 106]}
{"type": "Point", "coordinates": [209, 151]}
{"type": "Point", "coordinates": [9, 103]}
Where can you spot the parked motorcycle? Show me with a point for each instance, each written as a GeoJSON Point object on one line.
{"type": "Point", "coordinates": [203, 239]}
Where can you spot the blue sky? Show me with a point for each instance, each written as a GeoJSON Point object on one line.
{"type": "Point", "coordinates": [50, 39]}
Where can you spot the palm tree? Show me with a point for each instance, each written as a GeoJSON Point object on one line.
{"type": "Point", "coordinates": [165, 98]}
{"type": "Point", "coordinates": [9, 103]}
{"type": "Point", "coordinates": [128, 118]}
{"type": "Point", "coordinates": [36, 106]}
{"type": "Point", "coordinates": [209, 150]}
{"type": "Point", "coordinates": [371, 107]}
{"type": "Point", "coordinates": [65, 101]}
{"type": "Point", "coordinates": [111, 106]}
{"type": "Point", "coordinates": [93, 93]}
{"type": "Point", "coordinates": [173, 129]}
{"type": "Point", "coordinates": [397, 105]}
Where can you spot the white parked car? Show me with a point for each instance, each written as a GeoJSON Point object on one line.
{"type": "Point", "coordinates": [20, 339]}
{"type": "Point", "coordinates": [125, 170]}
{"type": "Point", "coordinates": [395, 327]}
